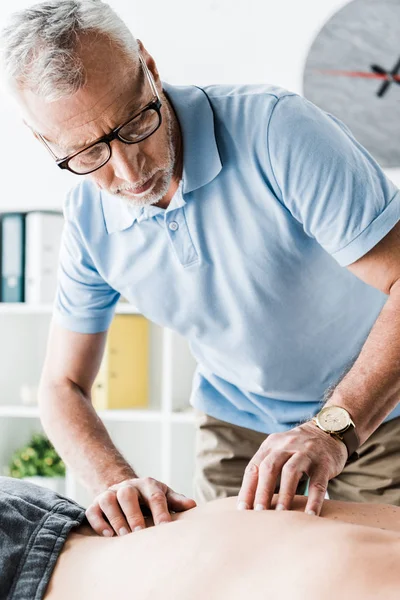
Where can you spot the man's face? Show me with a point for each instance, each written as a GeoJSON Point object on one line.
{"type": "Point", "coordinates": [116, 89]}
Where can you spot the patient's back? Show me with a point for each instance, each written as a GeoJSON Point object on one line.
{"type": "Point", "coordinates": [213, 554]}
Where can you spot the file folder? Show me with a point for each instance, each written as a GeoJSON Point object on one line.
{"type": "Point", "coordinates": [43, 231]}
{"type": "Point", "coordinates": [122, 381]}
{"type": "Point", "coordinates": [12, 244]}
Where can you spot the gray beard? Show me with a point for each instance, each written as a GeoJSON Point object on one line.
{"type": "Point", "coordinates": [163, 182]}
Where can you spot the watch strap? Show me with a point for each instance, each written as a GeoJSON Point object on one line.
{"type": "Point", "coordinates": [351, 440]}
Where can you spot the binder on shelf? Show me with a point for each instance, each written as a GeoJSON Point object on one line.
{"type": "Point", "coordinates": [43, 231]}
{"type": "Point", "coordinates": [122, 380]}
{"type": "Point", "coordinates": [12, 246]}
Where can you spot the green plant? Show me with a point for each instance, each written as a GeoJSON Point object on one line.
{"type": "Point", "coordinates": [38, 458]}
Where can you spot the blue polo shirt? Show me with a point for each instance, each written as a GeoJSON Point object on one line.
{"type": "Point", "coordinates": [247, 262]}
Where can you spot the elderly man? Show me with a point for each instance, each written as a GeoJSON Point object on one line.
{"type": "Point", "coordinates": [229, 214]}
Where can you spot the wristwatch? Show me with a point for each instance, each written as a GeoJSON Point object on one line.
{"type": "Point", "coordinates": [336, 421]}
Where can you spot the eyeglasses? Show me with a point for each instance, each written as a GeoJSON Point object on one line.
{"type": "Point", "coordinates": [138, 128]}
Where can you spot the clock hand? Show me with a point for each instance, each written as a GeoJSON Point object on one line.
{"type": "Point", "coordinates": [377, 69]}
{"type": "Point", "coordinates": [396, 68]}
{"type": "Point", "coordinates": [361, 74]}
{"type": "Point", "coordinates": [383, 88]}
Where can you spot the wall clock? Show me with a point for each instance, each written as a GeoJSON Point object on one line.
{"type": "Point", "coordinates": [353, 71]}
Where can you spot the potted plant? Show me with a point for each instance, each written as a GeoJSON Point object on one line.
{"type": "Point", "coordinates": [38, 462]}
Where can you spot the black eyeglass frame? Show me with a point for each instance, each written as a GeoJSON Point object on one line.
{"type": "Point", "coordinates": [154, 104]}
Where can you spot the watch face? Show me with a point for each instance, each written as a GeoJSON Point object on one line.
{"type": "Point", "coordinates": [333, 418]}
{"type": "Point", "coordinates": [353, 72]}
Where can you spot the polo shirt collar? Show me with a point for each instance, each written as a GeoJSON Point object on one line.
{"type": "Point", "coordinates": [201, 160]}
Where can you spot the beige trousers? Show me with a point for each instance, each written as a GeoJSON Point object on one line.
{"type": "Point", "coordinates": [223, 451]}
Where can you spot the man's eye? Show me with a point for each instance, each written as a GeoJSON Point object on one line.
{"type": "Point", "coordinates": [140, 126]}
{"type": "Point", "coordinates": [93, 152]}
{"type": "Point", "coordinates": [135, 124]}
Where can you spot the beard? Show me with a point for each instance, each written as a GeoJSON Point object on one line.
{"type": "Point", "coordinates": [163, 176]}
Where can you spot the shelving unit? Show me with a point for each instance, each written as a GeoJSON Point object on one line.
{"type": "Point", "coordinates": [158, 441]}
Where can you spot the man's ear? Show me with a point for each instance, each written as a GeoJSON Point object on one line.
{"type": "Point", "coordinates": [150, 62]}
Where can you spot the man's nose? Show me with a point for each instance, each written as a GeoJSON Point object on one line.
{"type": "Point", "coordinates": [125, 161]}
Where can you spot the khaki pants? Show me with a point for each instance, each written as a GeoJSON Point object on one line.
{"type": "Point", "coordinates": [224, 450]}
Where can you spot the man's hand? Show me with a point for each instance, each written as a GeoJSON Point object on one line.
{"type": "Point", "coordinates": [304, 449]}
{"type": "Point", "coordinates": [119, 508]}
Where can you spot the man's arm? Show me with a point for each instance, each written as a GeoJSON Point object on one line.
{"type": "Point", "coordinates": [371, 389]}
{"type": "Point", "coordinates": [67, 414]}
{"type": "Point", "coordinates": [68, 417]}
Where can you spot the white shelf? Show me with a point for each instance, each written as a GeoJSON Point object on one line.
{"type": "Point", "coordinates": [22, 308]}
{"type": "Point", "coordinates": [32, 412]}
{"type": "Point", "coordinates": [130, 415]}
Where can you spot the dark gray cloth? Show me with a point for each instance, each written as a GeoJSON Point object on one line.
{"type": "Point", "coordinates": [34, 525]}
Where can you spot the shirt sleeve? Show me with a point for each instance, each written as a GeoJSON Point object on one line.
{"type": "Point", "coordinates": [84, 301]}
{"type": "Point", "coordinates": [328, 181]}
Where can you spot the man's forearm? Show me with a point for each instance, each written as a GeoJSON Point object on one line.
{"type": "Point", "coordinates": [80, 437]}
{"type": "Point", "coordinates": [371, 389]}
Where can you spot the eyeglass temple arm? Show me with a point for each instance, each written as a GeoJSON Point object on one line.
{"type": "Point", "coordinates": [47, 145]}
{"type": "Point", "coordinates": [149, 75]}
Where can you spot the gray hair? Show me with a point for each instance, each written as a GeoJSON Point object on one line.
{"type": "Point", "coordinates": [39, 44]}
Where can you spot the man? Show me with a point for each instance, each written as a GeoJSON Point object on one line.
{"type": "Point", "coordinates": [339, 558]}
{"type": "Point", "coordinates": [227, 214]}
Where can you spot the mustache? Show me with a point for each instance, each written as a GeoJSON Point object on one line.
{"type": "Point", "coordinates": [126, 187]}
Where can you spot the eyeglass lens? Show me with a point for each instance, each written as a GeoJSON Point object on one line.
{"type": "Point", "coordinates": [134, 131]}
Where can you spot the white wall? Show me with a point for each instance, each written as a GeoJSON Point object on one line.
{"type": "Point", "coordinates": [210, 41]}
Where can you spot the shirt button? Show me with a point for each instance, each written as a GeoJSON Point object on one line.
{"type": "Point", "coordinates": [173, 226]}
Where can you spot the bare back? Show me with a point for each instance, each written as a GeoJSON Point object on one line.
{"type": "Point", "coordinates": [217, 552]}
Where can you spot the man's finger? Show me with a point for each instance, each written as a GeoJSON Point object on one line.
{"type": "Point", "coordinates": [291, 474]}
{"type": "Point", "coordinates": [316, 493]}
{"type": "Point", "coordinates": [157, 502]}
{"type": "Point", "coordinates": [249, 487]}
{"type": "Point", "coordinates": [97, 521]}
{"type": "Point", "coordinates": [128, 499]}
{"type": "Point", "coordinates": [179, 502]}
{"type": "Point", "coordinates": [112, 510]}
{"type": "Point", "coordinates": [268, 473]}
